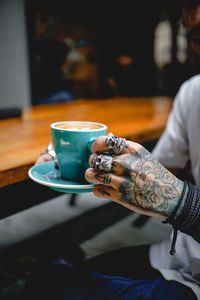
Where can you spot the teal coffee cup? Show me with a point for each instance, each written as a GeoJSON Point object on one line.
{"type": "Point", "coordinates": [72, 141]}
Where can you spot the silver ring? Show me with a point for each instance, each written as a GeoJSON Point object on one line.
{"type": "Point", "coordinates": [102, 163]}
{"type": "Point", "coordinates": [115, 144]}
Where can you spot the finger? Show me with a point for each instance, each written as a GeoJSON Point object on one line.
{"type": "Point", "coordinates": [110, 179]}
{"type": "Point", "coordinates": [107, 192]}
{"type": "Point", "coordinates": [43, 158]}
{"type": "Point", "coordinates": [101, 162]}
{"type": "Point", "coordinates": [103, 146]}
{"type": "Point", "coordinates": [110, 134]}
{"type": "Point", "coordinates": [100, 145]}
{"type": "Point", "coordinates": [91, 159]}
{"type": "Point", "coordinates": [120, 164]}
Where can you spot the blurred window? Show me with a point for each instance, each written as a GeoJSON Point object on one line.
{"type": "Point", "coordinates": [162, 44]}
{"type": "Point", "coordinates": [182, 44]}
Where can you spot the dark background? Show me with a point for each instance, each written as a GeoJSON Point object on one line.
{"type": "Point", "coordinates": [104, 31]}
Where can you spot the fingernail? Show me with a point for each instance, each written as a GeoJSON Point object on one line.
{"type": "Point", "coordinates": [110, 134]}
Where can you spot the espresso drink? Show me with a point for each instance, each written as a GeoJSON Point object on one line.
{"type": "Point", "coordinates": [72, 142]}
{"type": "Point", "coordinates": [78, 126]}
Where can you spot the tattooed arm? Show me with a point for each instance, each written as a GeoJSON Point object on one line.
{"type": "Point", "coordinates": [137, 181]}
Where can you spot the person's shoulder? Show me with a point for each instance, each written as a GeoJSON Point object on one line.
{"type": "Point", "coordinates": [189, 90]}
{"type": "Point", "coordinates": [192, 84]}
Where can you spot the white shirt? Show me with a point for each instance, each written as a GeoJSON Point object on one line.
{"type": "Point", "coordinates": [179, 142]}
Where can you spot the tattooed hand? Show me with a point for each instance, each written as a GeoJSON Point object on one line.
{"type": "Point", "coordinates": [137, 181]}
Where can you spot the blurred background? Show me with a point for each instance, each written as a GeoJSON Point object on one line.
{"type": "Point", "coordinates": [58, 50]}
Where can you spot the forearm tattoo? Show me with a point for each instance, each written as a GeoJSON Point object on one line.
{"type": "Point", "coordinates": [147, 184]}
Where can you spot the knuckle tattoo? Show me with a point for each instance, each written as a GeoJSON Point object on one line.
{"type": "Point", "coordinates": [103, 192]}
{"type": "Point", "coordinates": [103, 177]}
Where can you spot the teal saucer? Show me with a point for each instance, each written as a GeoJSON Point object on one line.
{"type": "Point", "coordinates": [47, 174]}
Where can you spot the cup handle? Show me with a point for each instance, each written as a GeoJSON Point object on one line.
{"type": "Point", "coordinates": [90, 143]}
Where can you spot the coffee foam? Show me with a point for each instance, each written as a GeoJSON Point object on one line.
{"type": "Point", "coordinates": [78, 126]}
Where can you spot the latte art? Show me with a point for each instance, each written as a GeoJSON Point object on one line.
{"type": "Point", "coordinates": [78, 126]}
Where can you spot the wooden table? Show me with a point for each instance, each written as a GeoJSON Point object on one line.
{"type": "Point", "coordinates": [23, 139]}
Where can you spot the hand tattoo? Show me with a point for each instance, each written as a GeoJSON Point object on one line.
{"type": "Point", "coordinates": [148, 185]}
{"type": "Point", "coordinates": [103, 192]}
{"type": "Point", "coordinates": [104, 178]}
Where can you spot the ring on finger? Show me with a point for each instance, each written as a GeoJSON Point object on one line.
{"type": "Point", "coordinates": [115, 144]}
{"type": "Point", "coordinates": [102, 163]}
